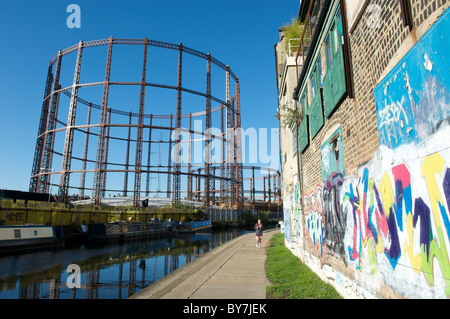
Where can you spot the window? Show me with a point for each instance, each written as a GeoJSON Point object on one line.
{"type": "Point", "coordinates": [334, 81]}
{"type": "Point", "coordinates": [315, 111]}
{"type": "Point", "coordinates": [332, 155]}
{"type": "Point", "coordinates": [313, 84]}
{"type": "Point", "coordinates": [303, 136]}
{"type": "Point", "coordinates": [328, 51]}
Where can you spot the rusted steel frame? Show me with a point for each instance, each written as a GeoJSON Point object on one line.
{"type": "Point", "coordinates": [169, 161]}
{"type": "Point", "coordinates": [49, 137]}
{"type": "Point", "coordinates": [238, 167]}
{"type": "Point", "coordinates": [222, 163]}
{"type": "Point", "coordinates": [98, 178]}
{"type": "Point", "coordinates": [264, 182]}
{"type": "Point", "coordinates": [140, 133]}
{"type": "Point", "coordinates": [155, 116]}
{"type": "Point", "coordinates": [105, 154]}
{"type": "Point", "coordinates": [253, 186]}
{"type": "Point", "coordinates": [127, 160]}
{"type": "Point", "coordinates": [68, 143]}
{"type": "Point", "coordinates": [177, 168]}
{"type": "Point", "coordinates": [147, 184]}
{"type": "Point", "coordinates": [208, 179]}
{"type": "Point", "coordinates": [101, 42]}
{"type": "Point", "coordinates": [39, 149]}
{"type": "Point", "coordinates": [229, 144]}
{"type": "Point", "coordinates": [189, 179]}
{"type": "Point", "coordinates": [85, 152]}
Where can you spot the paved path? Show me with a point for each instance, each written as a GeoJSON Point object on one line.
{"type": "Point", "coordinates": [234, 270]}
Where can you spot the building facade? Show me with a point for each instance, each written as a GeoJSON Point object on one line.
{"type": "Point", "coordinates": [371, 210]}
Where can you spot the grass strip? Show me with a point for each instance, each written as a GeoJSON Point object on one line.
{"type": "Point", "coordinates": [290, 278]}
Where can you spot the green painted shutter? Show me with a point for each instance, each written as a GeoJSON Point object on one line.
{"type": "Point", "coordinates": [328, 93]}
{"type": "Point", "coordinates": [303, 137]}
{"type": "Point", "coordinates": [334, 86]}
{"type": "Point", "coordinates": [338, 76]}
{"type": "Point", "coordinates": [315, 115]}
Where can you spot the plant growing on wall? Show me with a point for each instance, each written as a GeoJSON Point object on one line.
{"type": "Point", "coordinates": [292, 30]}
{"type": "Point", "coordinates": [289, 116]}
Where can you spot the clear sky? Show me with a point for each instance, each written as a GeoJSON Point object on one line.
{"type": "Point", "coordinates": [240, 33]}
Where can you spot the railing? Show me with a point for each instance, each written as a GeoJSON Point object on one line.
{"type": "Point", "coordinates": [293, 46]}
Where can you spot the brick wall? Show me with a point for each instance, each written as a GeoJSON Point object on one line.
{"type": "Point", "coordinates": [374, 51]}
{"type": "Point", "coordinates": [372, 48]}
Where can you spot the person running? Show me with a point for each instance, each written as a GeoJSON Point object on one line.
{"type": "Point", "coordinates": [259, 232]}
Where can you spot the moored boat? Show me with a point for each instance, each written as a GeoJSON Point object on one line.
{"type": "Point", "coordinates": [18, 238]}
{"type": "Point", "coordinates": [194, 226]}
{"type": "Point", "coordinates": [121, 231]}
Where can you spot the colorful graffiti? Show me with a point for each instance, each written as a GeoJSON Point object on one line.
{"type": "Point", "coordinates": [413, 233]}
{"type": "Point", "coordinates": [413, 101]}
{"type": "Point", "coordinates": [314, 219]}
{"type": "Point", "coordinates": [391, 222]}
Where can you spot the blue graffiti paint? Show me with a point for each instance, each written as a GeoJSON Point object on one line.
{"type": "Point", "coordinates": [422, 211]}
{"type": "Point", "coordinates": [413, 99]}
{"type": "Point", "coordinates": [394, 252]}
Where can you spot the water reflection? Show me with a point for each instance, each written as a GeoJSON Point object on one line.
{"type": "Point", "coordinates": [108, 271]}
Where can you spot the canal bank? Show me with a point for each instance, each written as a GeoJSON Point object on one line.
{"type": "Point", "coordinates": [234, 270]}
{"type": "Point", "coordinates": [108, 270]}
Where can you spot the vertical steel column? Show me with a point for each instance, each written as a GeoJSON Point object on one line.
{"type": "Point", "coordinates": [127, 160]}
{"type": "Point", "coordinates": [169, 161]}
{"type": "Point", "coordinates": [238, 167]}
{"type": "Point", "coordinates": [279, 188]}
{"type": "Point", "coordinates": [264, 181]}
{"type": "Point", "coordinates": [140, 133]}
{"type": "Point", "coordinates": [99, 169]}
{"type": "Point", "coordinates": [51, 124]}
{"type": "Point", "coordinates": [189, 178]}
{"type": "Point", "coordinates": [269, 188]}
{"type": "Point", "coordinates": [222, 162]}
{"type": "Point", "coordinates": [230, 143]}
{"type": "Point", "coordinates": [177, 177]}
{"type": "Point", "coordinates": [213, 189]}
{"type": "Point", "coordinates": [147, 185]}
{"type": "Point", "coordinates": [208, 179]}
{"type": "Point", "coordinates": [85, 152]}
{"type": "Point", "coordinates": [39, 149]}
{"type": "Point", "coordinates": [106, 153]}
{"type": "Point", "coordinates": [253, 186]}
{"type": "Point", "coordinates": [68, 143]}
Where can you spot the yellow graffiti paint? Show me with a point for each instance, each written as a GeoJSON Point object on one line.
{"type": "Point", "coordinates": [432, 166]}
{"type": "Point", "coordinates": [387, 194]}
{"type": "Point", "coordinates": [415, 259]}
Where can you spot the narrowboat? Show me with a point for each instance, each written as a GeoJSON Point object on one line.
{"type": "Point", "coordinates": [123, 231]}
{"type": "Point", "coordinates": [18, 238]}
{"type": "Point", "coordinates": [194, 226]}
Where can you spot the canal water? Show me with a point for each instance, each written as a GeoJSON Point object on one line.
{"type": "Point", "coordinates": [107, 271]}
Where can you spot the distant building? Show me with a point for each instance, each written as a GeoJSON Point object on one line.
{"type": "Point", "coordinates": [366, 172]}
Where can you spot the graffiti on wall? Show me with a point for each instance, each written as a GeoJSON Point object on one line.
{"type": "Point", "coordinates": [332, 155]}
{"type": "Point", "coordinates": [292, 215]}
{"type": "Point", "coordinates": [413, 100]}
{"type": "Point", "coordinates": [397, 219]}
{"type": "Point", "coordinates": [314, 224]}
{"type": "Point", "coordinates": [391, 222]}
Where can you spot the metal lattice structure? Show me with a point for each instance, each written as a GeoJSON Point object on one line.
{"type": "Point", "coordinates": [73, 121]}
{"type": "Point", "coordinates": [187, 142]}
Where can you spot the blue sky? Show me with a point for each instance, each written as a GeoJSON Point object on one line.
{"type": "Point", "coordinates": [240, 33]}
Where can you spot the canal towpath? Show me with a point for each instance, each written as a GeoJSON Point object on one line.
{"type": "Point", "coordinates": [234, 270]}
